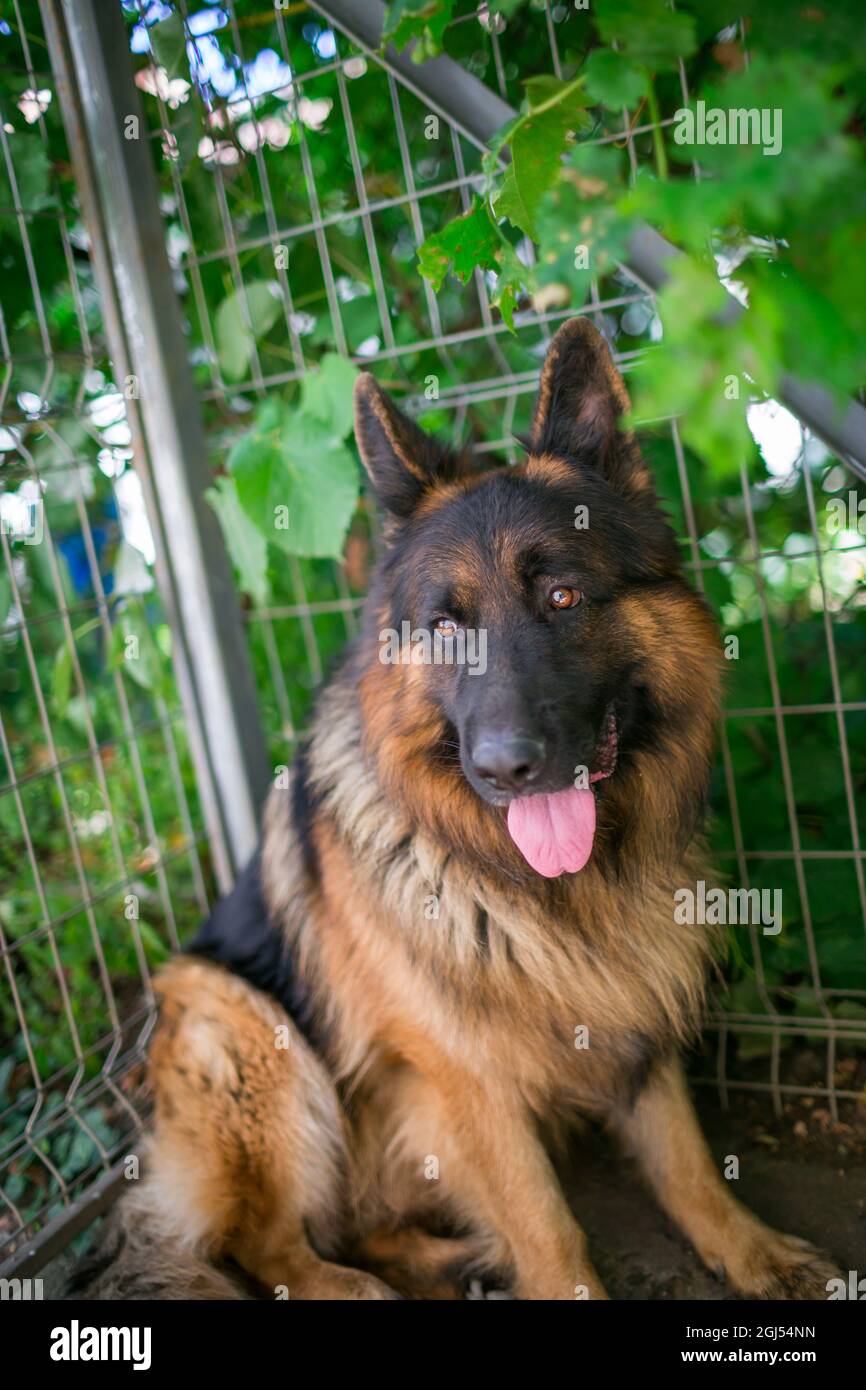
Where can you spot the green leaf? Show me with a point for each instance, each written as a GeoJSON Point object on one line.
{"type": "Point", "coordinates": [235, 336]}
{"type": "Point", "coordinates": [466, 242]}
{"type": "Point", "coordinates": [255, 460]}
{"type": "Point", "coordinates": [321, 489]}
{"type": "Point", "coordinates": [510, 203]}
{"type": "Point", "coordinates": [327, 393]}
{"type": "Point", "coordinates": [513, 276]}
{"type": "Point", "coordinates": [538, 142]}
{"type": "Point", "coordinates": [471, 241]}
{"type": "Point", "coordinates": [425, 20]}
{"type": "Point", "coordinates": [61, 679]}
{"type": "Point", "coordinates": [706, 370]}
{"type": "Point", "coordinates": [296, 479]}
{"type": "Point", "coordinates": [157, 951]}
{"type": "Point", "coordinates": [32, 173]}
{"type": "Point", "coordinates": [582, 229]}
{"type": "Point", "coordinates": [613, 80]}
{"type": "Point", "coordinates": [648, 31]}
{"type": "Point", "coordinates": [490, 158]}
{"type": "Point", "coordinates": [61, 675]}
{"type": "Point", "coordinates": [246, 544]}
{"type": "Point", "coordinates": [168, 42]}
{"type": "Point", "coordinates": [135, 651]}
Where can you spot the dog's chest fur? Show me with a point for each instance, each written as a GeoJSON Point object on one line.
{"type": "Point", "coordinates": [407, 948]}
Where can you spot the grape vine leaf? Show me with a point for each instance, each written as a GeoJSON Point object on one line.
{"type": "Point", "coordinates": [296, 479]}
{"type": "Point", "coordinates": [424, 20]}
{"type": "Point", "coordinates": [538, 142]}
{"type": "Point", "coordinates": [168, 42]}
{"type": "Point", "coordinates": [245, 543]}
{"type": "Point", "coordinates": [647, 31]}
{"type": "Point", "coordinates": [464, 243]}
{"type": "Point", "coordinates": [613, 80]}
{"type": "Point", "coordinates": [474, 241]}
{"type": "Point", "coordinates": [241, 321]}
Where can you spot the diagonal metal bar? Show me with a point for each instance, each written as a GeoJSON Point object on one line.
{"type": "Point", "coordinates": [478, 113]}
{"type": "Point", "coordinates": [448, 89]}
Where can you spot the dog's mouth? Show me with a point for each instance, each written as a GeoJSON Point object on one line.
{"type": "Point", "coordinates": [555, 831]}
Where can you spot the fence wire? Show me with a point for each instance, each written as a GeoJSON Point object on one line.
{"type": "Point", "coordinates": [102, 864]}
{"type": "Point", "coordinates": [104, 857]}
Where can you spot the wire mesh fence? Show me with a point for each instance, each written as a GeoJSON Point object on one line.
{"type": "Point", "coordinates": [299, 172]}
{"type": "Point", "coordinates": [102, 869]}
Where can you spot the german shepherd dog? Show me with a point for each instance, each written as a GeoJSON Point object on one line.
{"type": "Point", "coordinates": [458, 936]}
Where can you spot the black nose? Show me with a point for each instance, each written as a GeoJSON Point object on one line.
{"type": "Point", "coordinates": [508, 761]}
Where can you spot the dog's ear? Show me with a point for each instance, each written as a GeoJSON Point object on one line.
{"type": "Point", "coordinates": [403, 462]}
{"type": "Point", "coordinates": [580, 401]}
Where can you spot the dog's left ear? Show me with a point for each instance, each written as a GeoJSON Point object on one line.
{"type": "Point", "coordinates": [403, 462]}
{"type": "Point", "coordinates": [580, 401]}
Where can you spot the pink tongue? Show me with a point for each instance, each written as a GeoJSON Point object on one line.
{"type": "Point", "coordinates": [554, 833]}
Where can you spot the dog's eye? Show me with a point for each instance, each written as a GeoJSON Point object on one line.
{"type": "Point", "coordinates": [562, 597]}
{"type": "Point", "coordinates": [446, 627]}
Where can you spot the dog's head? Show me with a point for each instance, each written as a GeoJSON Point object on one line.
{"type": "Point", "coordinates": [536, 618]}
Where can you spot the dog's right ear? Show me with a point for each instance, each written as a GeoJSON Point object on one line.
{"type": "Point", "coordinates": [401, 459]}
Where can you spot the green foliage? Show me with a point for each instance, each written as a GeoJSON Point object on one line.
{"type": "Point", "coordinates": [648, 32]}
{"type": "Point", "coordinates": [246, 543]}
{"type": "Point", "coordinates": [538, 140]}
{"type": "Point", "coordinates": [554, 110]}
{"type": "Point", "coordinates": [613, 79]}
{"type": "Point", "coordinates": [702, 387]}
{"type": "Point", "coordinates": [242, 318]}
{"type": "Point", "coordinates": [467, 242]}
{"type": "Point", "coordinates": [793, 222]}
{"type": "Point", "coordinates": [32, 176]}
{"type": "Point", "coordinates": [592, 175]}
{"type": "Point", "coordinates": [168, 42]}
{"type": "Point", "coordinates": [424, 20]}
{"type": "Point", "coordinates": [474, 241]}
{"type": "Point", "coordinates": [294, 458]}
{"type": "Point", "coordinates": [135, 648]}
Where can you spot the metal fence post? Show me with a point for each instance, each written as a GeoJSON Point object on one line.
{"type": "Point", "coordinates": [107, 135]}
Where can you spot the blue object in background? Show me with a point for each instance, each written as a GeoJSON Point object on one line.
{"type": "Point", "coordinates": [72, 548]}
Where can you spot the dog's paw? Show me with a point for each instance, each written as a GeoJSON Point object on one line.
{"type": "Point", "coordinates": [323, 1282]}
{"type": "Point", "coordinates": [780, 1266]}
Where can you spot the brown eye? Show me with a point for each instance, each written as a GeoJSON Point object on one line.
{"type": "Point", "coordinates": [562, 597]}
{"type": "Point", "coordinates": [446, 627]}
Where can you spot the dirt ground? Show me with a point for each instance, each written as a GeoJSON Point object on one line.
{"type": "Point", "coordinates": [800, 1173]}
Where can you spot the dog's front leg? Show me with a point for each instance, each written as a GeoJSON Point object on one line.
{"type": "Point", "coordinates": [497, 1168]}
{"type": "Point", "coordinates": [663, 1131]}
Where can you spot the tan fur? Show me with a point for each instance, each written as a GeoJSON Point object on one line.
{"type": "Point", "coordinates": [249, 1159]}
